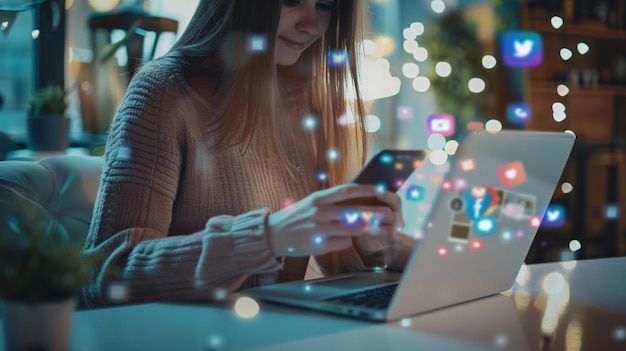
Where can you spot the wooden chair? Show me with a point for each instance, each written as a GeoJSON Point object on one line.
{"type": "Point", "coordinates": [104, 88]}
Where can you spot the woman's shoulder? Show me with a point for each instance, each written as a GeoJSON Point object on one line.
{"type": "Point", "coordinates": [160, 73]}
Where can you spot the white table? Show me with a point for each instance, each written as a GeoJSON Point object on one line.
{"type": "Point", "coordinates": [586, 310]}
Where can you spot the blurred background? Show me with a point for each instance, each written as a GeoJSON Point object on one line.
{"type": "Point", "coordinates": [431, 67]}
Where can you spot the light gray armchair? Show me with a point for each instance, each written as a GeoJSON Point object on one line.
{"type": "Point", "coordinates": [61, 190]}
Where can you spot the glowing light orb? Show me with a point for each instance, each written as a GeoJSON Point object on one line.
{"type": "Point", "coordinates": [420, 54]}
{"type": "Point", "coordinates": [489, 62]}
{"type": "Point", "coordinates": [582, 48]}
{"type": "Point", "coordinates": [418, 28]}
{"type": "Point", "coordinates": [442, 251]}
{"type": "Point", "coordinates": [562, 90]}
{"type": "Point", "coordinates": [451, 147]}
{"type": "Point", "coordinates": [410, 70]}
{"type": "Point", "coordinates": [553, 283]}
{"type": "Point", "coordinates": [575, 245]}
{"type": "Point", "coordinates": [372, 123]}
{"type": "Point", "coordinates": [556, 21]}
{"type": "Point", "coordinates": [310, 122]}
{"type": "Point", "coordinates": [493, 126]}
{"type": "Point", "coordinates": [436, 141]}
{"type": "Point", "coordinates": [405, 322]}
{"type": "Point", "coordinates": [438, 6]}
{"type": "Point", "coordinates": [438, 157]}
{"type": "Point", "coordinates": [421, 84]}
{"type": "Point", "coordinates": [567, 188]}
{"type": "Point", "coordinates": [566, 54]}
{"type": "Point", "coordinates": [35, 34]}
{"type": "Point", "coordinates": [476, 85]}
{"type": "Point", "coordinates": [443, 69]}
{"type": "Point", "coordinates": [246, 307]}
{"type": "Point", "coordinates": [410, 46]}
{"type": "Point", "coordinates": [332, 154]}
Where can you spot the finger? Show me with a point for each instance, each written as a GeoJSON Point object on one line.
{"type": "Point", "coordinates": [395, 203]}
{"type": "Point", "coordinates": [356, 215]}
{"type": "Point", "coordinates": [345, 192]}
{"type": "Point", "coordinates": [331, 244]}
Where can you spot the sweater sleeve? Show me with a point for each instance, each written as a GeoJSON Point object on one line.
{"type": "Point", "coordinates": [129, 235]}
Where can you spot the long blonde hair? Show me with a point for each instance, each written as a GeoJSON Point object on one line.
{"type": "Point", "coordinates": [247, 85]}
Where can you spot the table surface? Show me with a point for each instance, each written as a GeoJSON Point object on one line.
{"type": "Point", "coordinates": [573, 306]}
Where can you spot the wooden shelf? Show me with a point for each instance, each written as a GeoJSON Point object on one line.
{"type": "Point", "coordinates": [591, 30]}
{"type": "Point", "coordinates": [546, 87]}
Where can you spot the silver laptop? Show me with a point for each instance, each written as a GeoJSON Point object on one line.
{"type": "Point", "coordinates": [472, 230]}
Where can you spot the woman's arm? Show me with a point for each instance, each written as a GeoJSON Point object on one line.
{"type": "Point", "coordinates": [133, 210]}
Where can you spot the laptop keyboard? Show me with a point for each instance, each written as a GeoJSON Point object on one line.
{"type": "Point", "coordinates": [378, 298]}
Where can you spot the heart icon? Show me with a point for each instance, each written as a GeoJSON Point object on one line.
{"type": "Point", "coordinates": [479, 191]}
{"type": "Point", "coordinates": [511, 173]}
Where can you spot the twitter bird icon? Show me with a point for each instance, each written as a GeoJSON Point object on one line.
{"type": "Point", "coordinates": [522, 49]}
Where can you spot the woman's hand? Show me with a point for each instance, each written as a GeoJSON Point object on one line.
{"type": "Point", "coordinates": [316, 225]}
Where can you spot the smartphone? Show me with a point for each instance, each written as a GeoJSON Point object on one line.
{"type": "Point", "coordinates": [388, 169]}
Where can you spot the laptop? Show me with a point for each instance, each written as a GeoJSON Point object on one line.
{"type": "Point", "coordinates": [471, 230]}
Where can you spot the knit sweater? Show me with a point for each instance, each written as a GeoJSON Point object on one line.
{"type": "Point", "coordinates": [174, 221]}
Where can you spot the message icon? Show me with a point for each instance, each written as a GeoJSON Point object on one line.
{"type": "Point", "coordinates": [522, 49]}
{"type": "Point", "coordinates": [518, 113]}
{"type": "Point", "coordinates": [555, 216]}
{"type": "Point", "coordinates": [440, 123]}
{"type": "Point", "coordinates": [511, 174]}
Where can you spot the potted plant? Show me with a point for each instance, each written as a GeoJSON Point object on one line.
{"type": "Point", "coordinates": [47, 127]}
{"type": "Point", "coordinates": [41, 273]}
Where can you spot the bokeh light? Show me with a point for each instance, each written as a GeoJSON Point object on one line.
{"type": "Point", "coordinates": [332, 154]}
{"type": "Point", "coordinates": [575, 245]}
{"type": "Point", "coordinates": [418, 28]}
{"type": "Point", "coordinates": [476, 85]}
{"type": "Point", "coordinates": [421, 84]}
{"type": "Point", "coordinates": [567, 188]}
{"type": "Point", "coordinates": [443, 69]}
{"type": "Point", "coordinates": [35, 34]}
{"type": "Point", "coordinates": [409, 33]}
{"type": "Point", "coordinates": [582, 48]}
{"type": "Point", "coordinates": [103, 5]}
{"type": "Point", "coordinates": [566, 54]}
{"type": "Point", "coordinates": [451, 147]}
{"type": "Point", "coordinates": [246, 307]}
{"type": "Point", "coordinates": [489, 61]}
{"type": "Point", "coordinates": [410, 46]}
{"type": "Point", "coordinates": [436, 141]}
{"type": "Point", "coordinates": [493, 126]}
{"type": "Point", "coordinates": [562, 90]}
{"type": "Point", "coordinates": [410, 70]}
{"type": "Point", "coordinates": [556, 21]}
{"type": "Point", "coordinates": [553, 283]}
{"type": "Point", "coordinates": [438, 157]}
{"type": "Point", "coordinates": [420, 54]}
{"type": "Point", "coordinates": [372, 123]}
{"type": "Point", "coordinates": [438, 6]}
{"type": "Point", "coordinates": [310, 122]}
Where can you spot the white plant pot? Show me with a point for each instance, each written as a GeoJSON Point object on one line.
{"type": "Point", "coordinates": [41, 326]}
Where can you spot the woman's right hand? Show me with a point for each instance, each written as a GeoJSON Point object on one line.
{"type": "Point", "coordinates": [315, 225]}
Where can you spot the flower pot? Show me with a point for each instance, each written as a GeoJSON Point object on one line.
{"type": "Point", "coordinates": [40, 326]}
{"type": "Point", "coordinates": [48, 132]}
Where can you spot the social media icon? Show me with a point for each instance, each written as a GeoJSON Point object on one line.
{"type": "Point", "coordinates": [485, 225]}
{"type": "Point", "coordinates": [351, 217]}
{"type": "Point", "coordinates": [480, 201]}
{"type": "Point", "coordinates": [522, 49]}
{"type": "Point", "coordinates": [415, 193]}
{"type": "Point", "coordinates": [338, 58]}
{"type": "Point", "coordinates": [518, 113]}
{"type": "Point", "coordinates": [476, 245]}
{"type": "Point", "coordinates": [460, 184]}
{"type": "Point", "coordinates": [535, 221]}
{"type": "Point", "coordinates": [555, 216]}
{"type": "Point", "coordinates": [456, 204]}
{"type": "Point", "coordinates": [511, 174]}
{"type": "Point", "coordinates": [440, 123]}
{"type": "Point", "coordinates": [468, 165]}
{"type": "Point", "coordinates": [446, 185]}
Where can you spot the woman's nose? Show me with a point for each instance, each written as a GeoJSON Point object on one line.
{"type": "Point", "coordinates": [307, 22]}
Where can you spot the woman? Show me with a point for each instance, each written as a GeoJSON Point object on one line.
{"type": "Point", "coordinates": [210, 179]}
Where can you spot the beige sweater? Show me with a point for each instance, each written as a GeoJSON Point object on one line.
{"type": "Point", "coordinates": [175, 222]}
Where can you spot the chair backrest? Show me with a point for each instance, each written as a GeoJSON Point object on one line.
{"type": "Point", "coordinates": [125, 20]}
{"type": "Point", "coordinates": [108, 82]}
{"type": "Point", "coordinates": [58, 191]}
